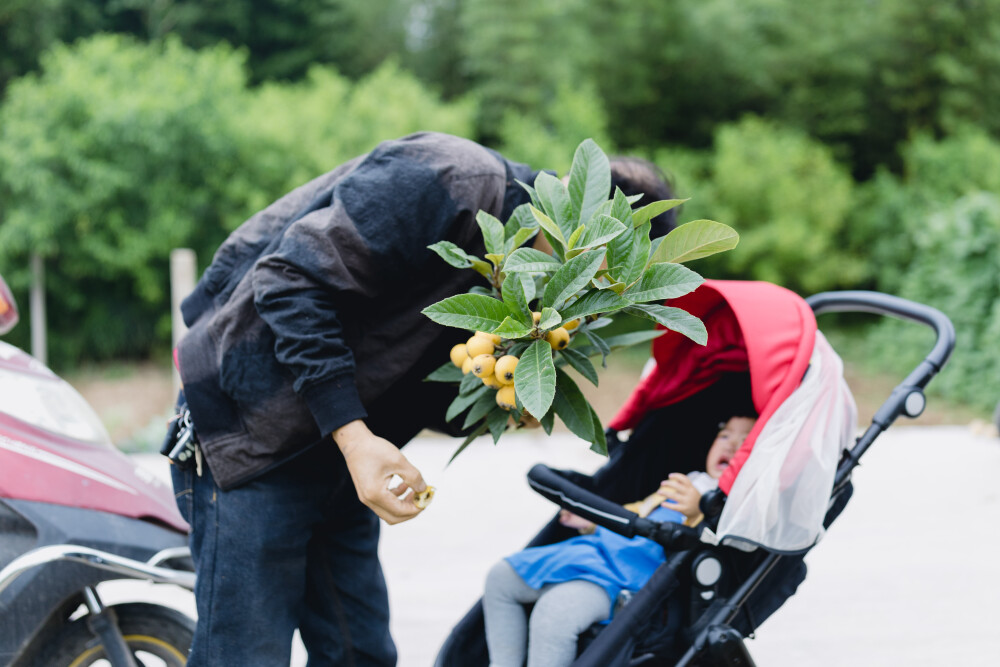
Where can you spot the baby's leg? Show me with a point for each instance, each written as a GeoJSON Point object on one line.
{"type": "Point", "coordinates": [562, 612]}
{"type": "Point", "coordinates": [506, 622]}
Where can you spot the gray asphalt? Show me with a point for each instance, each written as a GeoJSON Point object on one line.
{"type": "Point", "coordinates": [908, 575]}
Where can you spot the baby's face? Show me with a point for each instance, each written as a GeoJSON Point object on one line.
{"type": "Point", "coordinates": [726, 443]}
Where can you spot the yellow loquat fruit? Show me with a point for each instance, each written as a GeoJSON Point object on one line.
{"type": "Point", "coordinates": [492, 337]}
{"type": "Point", "coordinates": [504, 369]}
{"type": "Point", "coordinates": [505, 397]}
{"type": "Point", "coordinates": [459, 355]}
{"type": "Point", "coordinates": [558, 338]}
{"type": "Point", "coordinates": [572, 324]}
{"type": "Point", "coordinates": [482, 365]}
{"type": "Point", "coordinates": [466, 365]}
{"type": "Point", "coordinates": [492, 382]}
{"type": "Point", "coordinates": [478, 345]}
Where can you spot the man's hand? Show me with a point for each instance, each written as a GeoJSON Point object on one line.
{"type": "Point", "coordinates": [372, 462]}
{"type": "Point", "coordinates": [679, 489]}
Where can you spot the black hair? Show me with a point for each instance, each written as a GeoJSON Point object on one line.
{"type": "Point", "coordinates": [638, 176]}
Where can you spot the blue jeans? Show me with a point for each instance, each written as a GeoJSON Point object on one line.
{"type": "Point", "coordinates": [294, 548]}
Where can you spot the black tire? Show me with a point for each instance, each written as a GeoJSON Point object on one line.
{"type": "Point", "coordinates": [157, 636]}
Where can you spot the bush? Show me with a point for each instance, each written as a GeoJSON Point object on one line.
{"type": "Point", "coordinates": [785, 195]}
{"type": "Point", "coordinates": [955, 268]}
{"type": "Point", "coordinates": [892, 210]}
{"type": "Point", "coordinates": [118, 152]}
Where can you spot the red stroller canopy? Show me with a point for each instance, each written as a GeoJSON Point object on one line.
{"type": "Point", "coordinates": [752, 326]}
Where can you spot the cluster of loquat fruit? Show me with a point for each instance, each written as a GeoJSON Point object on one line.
{"type": "Point", "coordinates": [480, 356]}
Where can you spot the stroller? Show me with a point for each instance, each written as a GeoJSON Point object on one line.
{"type": "Point", "coordinates": [788, 482]}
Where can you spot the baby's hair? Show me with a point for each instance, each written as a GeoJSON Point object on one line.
{"type": "Point", "coordinates": [722, 424]}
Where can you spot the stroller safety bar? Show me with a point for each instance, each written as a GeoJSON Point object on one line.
{"type": "Point", "coordinates": [907, 398]}
{"type": "Point", "coordinates": [894, 306]}
{"type": "Point", "coordinates": [557, 488]}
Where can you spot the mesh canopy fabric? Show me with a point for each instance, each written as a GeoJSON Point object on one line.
{"type": "Point", "coordinates": [781, 495]}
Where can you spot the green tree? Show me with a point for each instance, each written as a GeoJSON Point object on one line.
{"type": "Point", "coordinates": [114, 154]}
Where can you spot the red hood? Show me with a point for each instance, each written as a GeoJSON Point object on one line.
{"type": "Point", "coordinates": [752, 326]}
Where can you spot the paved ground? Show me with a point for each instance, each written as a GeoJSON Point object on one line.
{"type": "Point", "coordinates": [909, 575]}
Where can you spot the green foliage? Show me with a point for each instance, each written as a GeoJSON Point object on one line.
{"type": "Point", "coordinates": [118, 152]}
{"type": "Point", "coordinates": [789, 199]}
{"type": "Point", "coordinates": [892, 210]}
{"type": "Point", "coordinates": [956, 268]}
{"type": "Point", "coordinates": [539, 304]}
{"type": "Point", "coordinates": [112, 156]}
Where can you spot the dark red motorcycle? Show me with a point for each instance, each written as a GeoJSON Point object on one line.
{"type": "Point", "coordinates": [76, 512]}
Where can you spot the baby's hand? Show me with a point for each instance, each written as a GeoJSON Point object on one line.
{"type": "Point", "coordinates": [681, 491]}
{"type": "Point", "coordinates": [571, 520]}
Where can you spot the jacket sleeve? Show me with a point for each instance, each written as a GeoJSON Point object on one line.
{"type": "Point", "coordinates": [368, 239]}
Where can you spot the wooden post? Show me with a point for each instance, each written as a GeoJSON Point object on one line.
{"type": "Point", "coordinates": [183, 268]}
{"type": "Point", "coordinates": [39, 343]}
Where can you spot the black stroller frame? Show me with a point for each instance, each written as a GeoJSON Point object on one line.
{"type": "Point", "coordinates": [730, 591]}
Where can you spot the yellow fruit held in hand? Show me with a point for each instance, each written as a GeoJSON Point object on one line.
{"type": "Point", "coordinates": [572, 324]}
{"type": "Point", "coordinates": [466, 365]}
{"type": "Point", "coordinates": [493, 338]}
{"type": "Point", "coordinates": [504, 368]}
{"type": "Point", "coordinates": [478, 345]}
{"type": "Point", "coordinates": [459, 355]}
{"type": "Point", "coordinates": [505, 398]}
{"type": "Point", "coordinates": [558, 338]}
{"type": "Point", "coordinates": [492, 382]}
{"type": "Point", "coordinates": [482, 365]}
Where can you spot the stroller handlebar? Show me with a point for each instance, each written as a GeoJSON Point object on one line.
{"type": "Point", "coordinates": [894, 306]}
{"type": "Point", "coordinates": [560, 490]}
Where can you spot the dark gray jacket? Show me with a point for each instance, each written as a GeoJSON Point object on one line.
{"type": "Point", "coordinates": [309, 315]}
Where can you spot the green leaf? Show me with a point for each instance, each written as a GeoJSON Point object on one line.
{"type": "Point", "coordinates": [535, 380]}
{"type": "Point", "coordinates": [594, 301]}
{"type": "Point", "coordinates": [555, 200]}
{"type": "Point", "coordinates": [493, 233]}
{"type": "Point", "coordinates": [516, 297]}
{"type": "Point", "coordinates": [462, 402]}
{"type": "Point", "coordinates": [470, 384]}
{"type": "Point", "coordinates": [452, 254]}
{"type": "Point", "coordinates": [474, 312]}
{"type": "Point", "coordinates": [529, 259]}
{"type": "Point", "coordinates": [531, 193]}
{"type": "Point", "coordinates": [632, 338]}
{"type": "Point", "coordinates": [480, 289]}
{"type": "Point", "coordinates": [572, 407]}
{"type": "Point", "coordinates": [519, 238]}
{"type": "Point", "coordinates": [550, 227]}
{"type": "Point", "coordinates": [482, 268]}
{"type": "Point", "coordinates": [512, 329]}
{"type": "Point", "coordinates": [620, 208]}
{"type": "Point", "coordinates": [580, 362]}
{"type": "Point", "coordinates": [589, 179]}
{"type": "Point", "coordinates": [600, 442]}
{"type": "Point", "coordinates": [674, 319]}
{"type": "Point", "coordinates": [650, 211]}
{"type": "Point", "coordinates": [496, 259]}
{"type": "Point", "coordinates": [664, 281]}
{"type": "Point", "coordinates": [548, 421]}
{"type": "Point", "coordinates": [628, 254]}
{"type": "Point", "coordinates": [599, 346]}
{"type": "Point", "coordinates": [448, 372]}
{"type": "Point", "coordinates": [550, 319]}
{"type": "Point", "coordinates": [497, 421]}
{"type": "Point", "coordinates": [465, 443]}
{"type": "Point", "coordinates": [695, 240]}
{"type": "Point", "coordinates": [574, 237]}
{"type": "Point", "coordinates": [572, 277]}
{"type": "Point", "coordinates": [520, 219]}
{"type": "Point", "coordinates": [481, 407]}
{"type": "Point", "coordinates": [601, 229]}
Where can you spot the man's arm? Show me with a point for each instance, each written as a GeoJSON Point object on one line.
{"type": "Point", "coordinates": [372, 461]}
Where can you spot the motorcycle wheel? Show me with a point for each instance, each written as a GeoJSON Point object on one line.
{"type": "Point", "coordinates": [158, 637]}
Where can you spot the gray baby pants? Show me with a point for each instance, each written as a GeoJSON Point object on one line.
{"type": "Point", "coordinates": [561, 612]}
